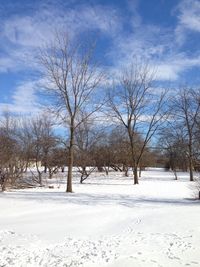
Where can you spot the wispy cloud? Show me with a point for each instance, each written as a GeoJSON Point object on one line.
{"type": "Point", "coordinates": [189, 11]}
{"type": "Point", "coordinates": [160, 46]}
{"type": "Point", "coordinates": [188, 19]}
{"type": "Point", "coordinates": [24, 34]}
{"type": "Point", "coordinates": [129, 38]}
{"type": "Point", "coordinates": [173, 67]}
{"type": "Point", "coordinates": [34, 29]}
{"type": "Point", "coordinates": [24, 99]}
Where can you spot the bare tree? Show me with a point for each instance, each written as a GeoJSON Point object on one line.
{"type": "Point", "coordinates": [133, 104]}
{"type": "Point", "coordinates": [186, 107]}
{"type": "Point", "coordinates": [11, 160]}
{"type": "Point", "coordinates": [25, 141]}
{"type": "Point", "coordinates": [56, 159]}
{"type": "Point", "coordinates": [71, 78]}
{"type": "Point", "coordinates": [174, 146]}
{"type": "Point", "coordinates": [41, 141]}
{"type": "Point", "coordinates": [87, 137]}
{"type": "Point", "coordinates": [120, 149]}
{"type": "Point", "coordinates": [102, 155]}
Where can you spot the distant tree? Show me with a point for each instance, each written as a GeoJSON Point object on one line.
{"type": "Point", "coordinates": [56, 159]}
{"type": "Point", "coordinates": [120, 150]}
{"type": "Point", "coordinates": [42, 141]}
{"type": "Point", "coordinates": [102, 156]}
{"type": "Point", "coordinates": [185, 111]}
{"type": "Point", "coordinates": [87, 137]}
{"type": "Point", "coordinates": [11, 161]}
{"type": "Point", "coordinates": [174, 146]}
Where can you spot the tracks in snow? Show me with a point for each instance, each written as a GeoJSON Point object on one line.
{"type": "Point", "coordinates": [135, 248]}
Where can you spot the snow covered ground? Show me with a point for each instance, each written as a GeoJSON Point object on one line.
{"type": "Point", "coordinates": [108, 222]}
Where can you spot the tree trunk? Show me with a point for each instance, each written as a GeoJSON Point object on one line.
{"type": "Point", "coordinates": [3, 184]}
{"type": "Point", "coordinates": [191, 163]}
{"type": "Point", "coordinates": [3, 187]}
{"type": "Point", "coordinates": [135, 173]}
{"type": "Point", "coordinates": [50, 173]}
{"type": "Point", "coordinates": [45, 167]}
{"type": "Point", "coordinates": [140, 171]}
{"type": "Point", "coordinates": [83, 174]}
{"type": "Point", "coordinates": [39, 172]}
{"type": "Point", "coordinates": [106, 170]}
{"type": "Point", "coordinates": [100, 168]}
{"type": "Point", "coordinates": [191, 170]}
{"type": "Point", "coordinates": [70, 159]}
{"type": "Point", "coordinates": [175, 173]}
{"type": "Point", "coordinates": [134, 162]}
{"type": "Point", "coordinates": [40, 178]}
{"type": "Point", "coordinates": [126, 171]}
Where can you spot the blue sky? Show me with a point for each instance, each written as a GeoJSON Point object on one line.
{"type": "Point", "coordinates": [166, 33]}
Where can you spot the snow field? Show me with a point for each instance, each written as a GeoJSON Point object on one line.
{"type": "Point", "coordinates": [107, 222]}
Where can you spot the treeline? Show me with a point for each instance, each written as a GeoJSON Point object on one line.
{"type": "Point", "coordinates": [30, 150]}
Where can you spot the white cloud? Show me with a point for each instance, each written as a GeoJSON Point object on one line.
{"type": "Point", "coordinates": [151, 44]}
{"type": "Point", "coordinates": [35, 29]}
{"type": "Point", "coordinates": [189, 14]}
{"type": "Point", "coordinates": [188, 19]}
{"type": "Point", "coordinates": [23, 35]}
{"type": "Point", "coordinates": [24, 99]}
{"type": "Point", "coordinates": [156, 46]}
{"type": "Point", "coordinates": [133, 8]}
{"type": "Point", "coordinates": [172, 67]}
{"type": "Point", "coordinates": [167, 72]}
{"type": "Point", "coordinates": [7, 63]}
